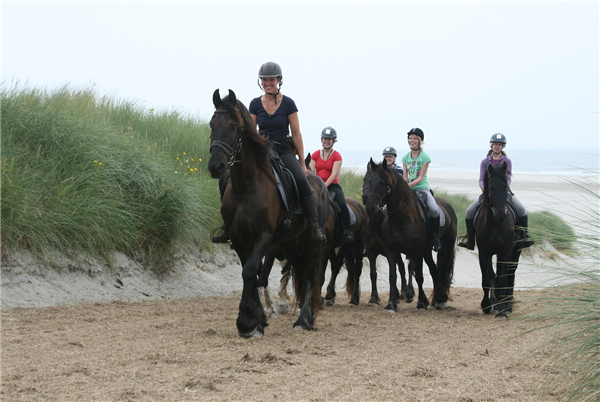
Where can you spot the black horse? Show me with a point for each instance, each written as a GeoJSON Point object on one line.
{"type": "Point", "coordinates": [496, 235]}
{"type": "Point", "coordinates": [375, 247]}
{"type": "Point", "coordinates": [404, 233]}
{"type": "Point", "coordinates": [253, 212]}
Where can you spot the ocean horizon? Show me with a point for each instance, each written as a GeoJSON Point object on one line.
{"type": "Point", "coordinates": [557, 162]}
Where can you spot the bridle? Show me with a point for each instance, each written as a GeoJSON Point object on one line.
{"type": "Point", "coordinates": [494, 209]}
{"type": "Point", "coordinates": [228, 149]}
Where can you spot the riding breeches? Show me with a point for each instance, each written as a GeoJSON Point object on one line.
{"type": "Point", "coordinates": [340, 200]}
{"type": "Point", "coordinates": [431, 204]}
{"type": "Point", "coordinates": [517, 205]}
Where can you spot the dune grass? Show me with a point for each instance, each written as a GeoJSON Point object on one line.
{"type": "Point", "coordinates": [568, 316]}
{"type": "Point", "coordinates": [96, 174]}
{"type": "Point", "coordinates": [99, 174]}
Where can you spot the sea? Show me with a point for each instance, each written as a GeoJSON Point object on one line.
{"type": "Point", "coordinates": [557, 162]}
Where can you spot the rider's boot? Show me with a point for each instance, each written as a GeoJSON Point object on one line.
{"type": "Point", "coordinates": [468, 241]}
{"type": "Point", "coordinates": [219, 235]}
{"type": "Point", "coordinates": [317, 234]}
{"type": "Point", "coordinates": [435, 233]}
{"type": "Point", "coordinates": [526, 239]}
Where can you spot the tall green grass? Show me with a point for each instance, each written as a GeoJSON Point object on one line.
{"type": "Point", "coordinates": [99, 174]}
{"type": "Point", "coordinates": [567, 317]}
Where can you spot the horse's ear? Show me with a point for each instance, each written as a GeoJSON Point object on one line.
{"type": "Point", "coordinates": [307, 160]}
{"type": "Point", "coordinates": [490, 169]}
{"type": "Point", "coordinates": [217, 99]}
{"type": "Point", "coordinates": [232, 98]}
{"type": "Point", "coordinates": [504, 167]}
{"type": "Point", "coordinates": [372, 164]}
{"type": "Point", "coordinates": [369, 170]}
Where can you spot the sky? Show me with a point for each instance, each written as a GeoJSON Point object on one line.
{"type": "Point", "coordinates": [461, 71]}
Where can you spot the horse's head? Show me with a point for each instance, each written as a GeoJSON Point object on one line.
{"type": "Point", "coordinates": [379, 185]}
{"type": "Point", "coordinates": [366, 187]}
{"type": "Point", "coordinates": [496, 190]}
{"type": "Point", "coordinates": [226, 126]}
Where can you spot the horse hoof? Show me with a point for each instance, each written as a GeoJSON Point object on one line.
{"type": "Point", "coordinates": [502, 317]}
{"type": "Point", "coordinates": [329, 302]}
{"type": "Point", "coordinates": [249, 334]}
{"type": "Point", "coordinates": [374, 301]}
{"type": "Point", "coordinates": [389, 309]}
{"type": "Point", "coordinates": [421, 307]}
{"type": "Point", "coordinates": [440, 306]}
{"type": "Point", "coordinates": [353, 303]}
{"type": "Point", "coordinates": [302, 324]}
{"type": "Point", "coordinates": [272, 314]}
{"type": "Point", "coordinates": [412, 299]}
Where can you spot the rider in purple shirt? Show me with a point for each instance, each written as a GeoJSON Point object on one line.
{"type": "Point", "coordinates": [496, 155]}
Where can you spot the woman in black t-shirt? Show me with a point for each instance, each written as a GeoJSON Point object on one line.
{"type": "Point", "coordinates": [275, 114]}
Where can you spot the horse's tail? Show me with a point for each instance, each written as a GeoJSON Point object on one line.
{"type": "Point", "coordinates": [303, 276]}
{"type": "Point", "coordinates": [447, 255]}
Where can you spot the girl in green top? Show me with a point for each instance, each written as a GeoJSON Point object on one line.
{"type": "Point", "coordinates": [415, 165]}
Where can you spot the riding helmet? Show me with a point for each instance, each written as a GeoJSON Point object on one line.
{"type": "Point", "coordinates": [329, 132]}
{"type": "Point", "coordinates": [389, 151]}
{"type": "Point", "coordinates": [498, 137]}
{"type": "Point", "coordinates": [418, 132]}
{"type": "Point", "coordinates": [270, 70]}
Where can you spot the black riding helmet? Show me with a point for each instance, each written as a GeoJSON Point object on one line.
{"type": "Point", "coordinates": [329, 132]}
{"type": "Point", "coordinates": [389, 151]}
{"type": "Point", "coordinates": [418, 132]}
{"type": "Point", "coordinates": [498, 137]}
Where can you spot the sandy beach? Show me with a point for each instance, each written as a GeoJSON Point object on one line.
{"type": "Point", "coordinates": [537, 192]}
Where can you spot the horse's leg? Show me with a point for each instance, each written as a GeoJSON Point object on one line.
{"type": "Point", "coordinates": [336, 261]}
{"type": "Point", "coordinates": [283, 305]}
{"type": "Point", "coordinates": [263, 283]}
{"type": "Point", "coordinates": [394, 299]}
{"type": "Point", "coordinates": [402, 270]}
{"type": "Point", "coordinates": [487, 282]}
{"type": "Point", "coordinates": [417, 264]}
{"type": "Point", "coordinates": [437, 298]}
{"type": "Point", "coordinates": [311, 263]}
{"type": "Point", "coordinates": [505, 276]}
{"type": "Point", "coordinates": [410, 290]}
{"type": "Point", "coordinates": [251, 317]}
{"type": "Point", "coordinates": [354, 265]}
{"type": "Point", "coordinates": [373, 272]}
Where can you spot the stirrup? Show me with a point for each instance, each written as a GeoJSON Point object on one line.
{"type": "Point", "coordinates": [463, 241]}
{"type": "Point", "coordinates": [317, 234]}
{"type": "Point", "coordinates": [219, 235]}
{"type": "Point", "coordinates": [526, 241]}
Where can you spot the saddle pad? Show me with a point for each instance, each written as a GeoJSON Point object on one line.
{"type": "Point", "coordinates": [442, 215]}
{"type": "Point", "coordinates": [352, 216]}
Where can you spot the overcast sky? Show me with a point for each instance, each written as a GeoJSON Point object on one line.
{"type": "Point", "coordinates": [459, 71]}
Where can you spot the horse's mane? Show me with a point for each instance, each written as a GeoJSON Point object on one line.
{"type": "Point", "coordinates": [259, 144]}
{"type": "Point", "coordinates": [404, 194]}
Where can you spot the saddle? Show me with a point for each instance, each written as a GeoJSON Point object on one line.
{"type": "Point", "coordinates": [425, 214]}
